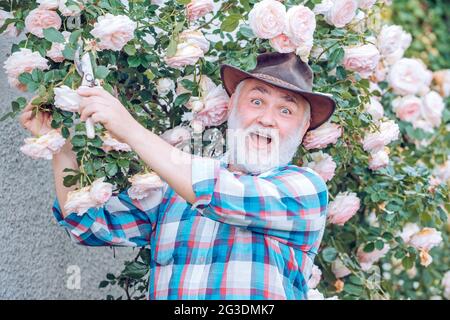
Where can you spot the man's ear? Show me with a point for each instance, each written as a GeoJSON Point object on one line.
{"type": "Point", "coordinates": [230, 103]}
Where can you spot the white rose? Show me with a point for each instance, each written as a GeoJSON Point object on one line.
{"type": "Point", "coordinates": [110, 143]}
{"type": "Point", "coordinates": [374, 108]}
{"type": "Point", "coordinates": [301, 24]}
{"type": "Point", "coordinates": [267, 19]}
{"type": "Point", "coordinates": [408, 230]}
{"type": "Point", "coordinates": [361, 59]}
{"type": "Point", "coordinates": [409, 76]}
{"type": "Point", "coordinates": [113, 31]}
{"type": "Point", "coordinates": [164, 86]}
{"type": "Point", "coordinates": [67, 99]}
{"type": "Point", "coordinates": [22, 61]}
{"type": "Point", "coordinates": [426, 239]}
{"type": "Point", "coordinates": [44, 146]}
{"type": "Point", "coordinates": [341, 12]}
{"type": "Point", "coordinates": [366, 4]}
{"type": "Point", "coordinates": [143, 184]}
{"type": "Point", "coordinates": [195, 37]}
{"type": "Point", "coordinates": [316, 275]}
{"type": "Point", "coordinates": [432, 108]}
{"type": "Point", "coordinates": [79, 201]}
{"type": "Point", "coordinates": [387, 132]}
{"type": "Point", "coordinates": [392, 43]}
{"type": "Point", "coordinates": [378, 159]}
{"type": "Point", "coordinates": [186, 54]}
{"type": "Point", "coordinates": [100, 191]}
{"type": "Point", "coordinates": [339, 269]}
{"type": "Point", "coordinates": [56, 51]}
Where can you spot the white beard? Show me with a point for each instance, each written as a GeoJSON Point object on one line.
{"type": "Point", "coordinates": [256, 161]}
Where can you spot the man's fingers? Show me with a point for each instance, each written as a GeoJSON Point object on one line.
{"type": "Point", "coordinates": [87, 112]}
{"type": "Point", "coordinates": [92, 92]}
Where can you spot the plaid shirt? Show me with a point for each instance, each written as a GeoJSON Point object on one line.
{"type": "Point", "coordinates": [245, 237]}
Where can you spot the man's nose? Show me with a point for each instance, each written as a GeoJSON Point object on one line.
{"type": "Point", "coordinates": [266, 118]}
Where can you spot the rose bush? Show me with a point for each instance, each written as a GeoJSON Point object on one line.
{"type": "Point", "coordinates": [385, 153]}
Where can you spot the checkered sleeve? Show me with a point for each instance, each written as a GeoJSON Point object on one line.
{"type": "Point", "coordinates": [289, 204]}
{"type": "Point", "coordinates": [121, 221]}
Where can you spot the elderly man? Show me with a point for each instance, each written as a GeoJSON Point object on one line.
{"type": "Point", "coordinates": [234, 229]}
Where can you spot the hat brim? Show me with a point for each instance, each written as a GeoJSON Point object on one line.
{"type": "Point", "coordinates": [322, 106]}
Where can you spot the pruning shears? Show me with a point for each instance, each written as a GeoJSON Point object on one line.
{"type": "Point", "coordinates": [83, 66]}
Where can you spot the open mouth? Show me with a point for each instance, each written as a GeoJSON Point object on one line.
{"type": "Point", "coordinates": [260, 139]}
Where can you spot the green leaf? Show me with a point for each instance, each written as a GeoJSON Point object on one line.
{"type": "Point", "coordinates": [101, 72]}
{"type": "Point", "coordinates": [68, 53]}
{"type": "Point", "coordinates": [53, 35]}
{"type": "Point", "coordinates": [369, 247]}
{"type": "Point", "coordinates": [184, 1]}
{"type": "Point", "coordinates": [136, 270]}
{"type": "Point", "coordinates": [336, 57]}
{"type": "Point", "coordinates": [134, 61]}
{"type": "Point", "coordinates": [130, 49]}
{"type": "Point", "coordinates": [246, 31]}
{"type": "Point", "coordinates": [79, 141]}
{"type": "Point", "coordinates": [353, 289]}
{"type": "Point", "coordinates": [70, 180]}
{"type": "Point", "coordinates": [182, 99]}
{"type": "Point", "coordinates": [74, 36]}
{"type": "Point", "coordinates": [103, 284]}
{"type": "Point", "coordinates": [172, 48]}
{"type": "Point", "coordinates": [111, 169]}
{"type": "Point", "coordinates": [329, 254]}
{"type": "Point", "coordinates": [230, 23]}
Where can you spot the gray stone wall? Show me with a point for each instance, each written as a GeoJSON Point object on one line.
{"type": "Point", "coordinates": [36, 254]}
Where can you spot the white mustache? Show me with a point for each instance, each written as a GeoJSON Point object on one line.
{"type": "Point", "coordinates": [262, 131]}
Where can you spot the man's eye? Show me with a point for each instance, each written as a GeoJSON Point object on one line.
{"type": "Point", "coordinates": [285, 111]}
{"type": "Point", "coordinates": [257, 102]}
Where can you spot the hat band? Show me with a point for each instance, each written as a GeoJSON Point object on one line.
{"type": "Point", "coordinates": [277, 80]}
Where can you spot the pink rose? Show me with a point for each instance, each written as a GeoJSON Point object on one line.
{"type": "Point", "coordinates": [79, 201]}
{"type": "Point", "coordinates": [366, 4]}
{"type": "Point", "coordinates": [361, 59]}
{"type": "Point", "coordinates": [56, 51]}
{"type": "Point", "coordinates": [408, 230]}
{"type": "Point", "coordinates": [343, 207]}
{"type": "Point", "coordinates": [179, 137]}
{"type": "Point", "coordinates": [323, 164]}
{"type": "Point", "coordinates": [199, 8]}
{"type": "Point", "coordinates": [322, 136]}
{"type": "Point", "coordinates": [100, 191]}
{"type": "Point", "coordinates": [215, 111]}
{"type": "Point", "coordinates": [378, 159]}
{"type": "Point", "coordinates": [301, 24]}
{"type": "Point", "coordinates": [392, 43]}
{"type": "Point", "coordinates": [367, 259]}
{"type": "Point", "coordinates": [426, 239]}
{"type": "Point", "coordinates": [110, 143]}
{"type": "Point", "coordinates": [143, 184]}
{"type": "Point", "coordinates": [339, 269]}
{"type": "Point", "coordinates": [195, 37]}
{"type": "Point", "coordinates": [22, 61]}
{"type": "Point", "coordinates": [186, 54]}
{"type": "Point", "coordinates": [337, 12]}
{"type": "Point", "coordinates": [316, 275]}
{"type": "Point", "coordinates": [39, 19]}
{"type": "Point", "coordinates": [432, 108]}
{"type": "Point", "coordinates": [407, 108]}
{"type": "Point", "coordinates": [67, 99]}
{"type": "Point", "coordinates": [44, 146]}
{"type": "Point", "coordinates": [114, 32]}
{"type": "Point", "coordinates": [304, 49]}
{"type": "Point", "coordinates": [282, 44]}
{"type": "Point", "coordinates": [11, 30]}
{"type": "Point", "coordinates": [409, 76]}
{"type": "Point", "coordinates": [267, 19]}
{"type": "Point", "coordinates": [387, 132]}
{"type": "Point", "coordinates": [374, 108]}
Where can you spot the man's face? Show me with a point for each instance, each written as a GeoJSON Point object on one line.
{"type": "Point", "coordinates": [270, 122]}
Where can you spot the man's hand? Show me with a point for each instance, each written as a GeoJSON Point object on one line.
{"type": "Point", "coordinates": [37, 123]}
{"type": "Point", "coordinates": [102, 107]}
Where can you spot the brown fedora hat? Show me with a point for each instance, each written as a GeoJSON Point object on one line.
{"type": "Point", "coordinates": [287, 71]}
